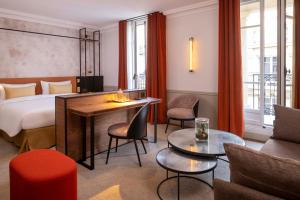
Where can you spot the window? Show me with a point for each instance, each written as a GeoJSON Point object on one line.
{"type": "Point", "coordinates": [250, 33]}
{"type": "Point", "coordinates": [136, 54]}
{"type": "Point", "coordinates": [266, 70]}
{"type": "Point", "coordinates": [270, 65]}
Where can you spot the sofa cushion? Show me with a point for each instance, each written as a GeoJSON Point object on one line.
{"type": "Point", "coordinates": [181, 113]}
{"type": "Point", "coordinates": [287, 124]}
{"type": "Point", "coordinates": [231, 191]}
{"type": "Point", "coordinates": [282, 149]}
{"type": "Point", "coordinates": [269, 174]}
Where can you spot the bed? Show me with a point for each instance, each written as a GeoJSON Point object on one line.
{"type": "Point", "coordinates": [29, 122]}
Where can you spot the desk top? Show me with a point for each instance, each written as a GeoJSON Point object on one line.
{"type": "Point", "coordinates": [97, 109]}
{"type": "Point", "coordinates": [89, 94]}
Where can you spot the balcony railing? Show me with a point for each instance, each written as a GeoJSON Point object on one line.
{"type": "Point", "coordinates": [253, 94]}
{"type": "Point", "coordinates": [141, 81]}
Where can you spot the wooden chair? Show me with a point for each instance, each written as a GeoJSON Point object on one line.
{"type": "Point", "coordinates": [182, 108]}
{"type": "Point", "coordinates": [135, 130]}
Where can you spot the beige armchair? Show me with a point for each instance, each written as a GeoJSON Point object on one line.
{"type": "Point", "coordinates": [182, 108]}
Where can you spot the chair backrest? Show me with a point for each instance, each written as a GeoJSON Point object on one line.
{"type": "Point", "coordinates": [183, 101]}
{"type": "Point", "coordinates": [138, 125]}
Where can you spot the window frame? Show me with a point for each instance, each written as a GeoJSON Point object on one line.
{"type": "Point", "coordinates": [281, 56]}
{"type": "Point", "coordinates": [132, 61]}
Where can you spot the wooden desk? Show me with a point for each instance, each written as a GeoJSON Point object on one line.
{"type": "Point", "coordinates": [90, 111]}
{"type": "Point", "coordinates": [68, 127]}
{"type": "Point", "coordinates": [98, 109]}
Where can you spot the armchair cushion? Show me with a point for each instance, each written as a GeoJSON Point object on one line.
{"type": "Point", "coordinates": [269, 174]}
{"type": "Point", "coordinates": [181, 113]}
{"type": "Point", "coordinates": [287, 124]}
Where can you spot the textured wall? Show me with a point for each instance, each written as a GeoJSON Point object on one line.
{"type": "Point", "coordinates": [30, 55]}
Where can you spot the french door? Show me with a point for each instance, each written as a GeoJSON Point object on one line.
{"type": "Point", "coordinates": [136, 54]}
{"type": "Point", "coordinates": [267, 55]}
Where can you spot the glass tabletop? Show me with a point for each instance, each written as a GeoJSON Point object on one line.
{"type": "Point", "coordinates": [177, 161]}
{"type": "Point", "coordinates": [184, 140]}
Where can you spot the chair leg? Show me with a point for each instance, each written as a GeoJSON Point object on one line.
{"type": "Point", "coordinates": [109, 146]}
{"type": "Point", "coordinates": [137, 152]}
{"type": "Point", "coordinates": [117, 144]}
{"type": "Point", "coordinates": [144, 146]}
{"type": "Point", "coordinates": [167, 125]}
{"type": "Point", "coordinates": [183, 124]}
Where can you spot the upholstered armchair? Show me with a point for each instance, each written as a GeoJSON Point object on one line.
{"type": "Point", "coordinates": [182, 108]}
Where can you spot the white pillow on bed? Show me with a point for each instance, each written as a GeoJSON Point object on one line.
{"type": "Point", "coordinates": [45, 85]}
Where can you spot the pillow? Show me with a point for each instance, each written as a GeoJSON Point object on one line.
{"type": "Point", "coordinates": [2, 92]}
{"type": "Point", "coordinates": [60, 89]}
{"type": "Point", "coordinates": [5, 85]}
{"type": "Point", "coordinates": [269, 174]}
{"type": "Point", "coordinates": [18, 85]}
{"type": "Point", "coordinates": [14, 92]}
{"type": "Point", "coordinates": [45, 85]}
{"type": "Point", "coordinates": [287, 124]}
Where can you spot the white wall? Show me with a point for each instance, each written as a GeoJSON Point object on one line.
{"type": "Point", "coordinates": [202, 24]}
{"type": "Point", "coordinates": [110, 56]}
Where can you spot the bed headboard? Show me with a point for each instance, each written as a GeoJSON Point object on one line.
{"type": "Point", "coordinates": [37, 80]}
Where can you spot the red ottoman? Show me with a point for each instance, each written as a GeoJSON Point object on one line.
{"type": "Point", "coordinates": [43, 175]}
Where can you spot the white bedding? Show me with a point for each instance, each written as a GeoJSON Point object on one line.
{"type": "Point", "coordinates": [27, 113]}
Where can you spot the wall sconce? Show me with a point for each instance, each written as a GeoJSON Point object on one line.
{"type": "Point", "coordinates": [191, 41]}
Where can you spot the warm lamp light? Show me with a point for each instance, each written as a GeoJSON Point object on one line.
{"type": "Point", "coordinates": [191, 40]}
{"type": "Point", "coordinates": [121, 97]}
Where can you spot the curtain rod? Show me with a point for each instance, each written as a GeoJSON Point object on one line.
{"type": "Point", "coordinates": [139, 17]}
{"type": "Point", "coordinates": [47, 34]}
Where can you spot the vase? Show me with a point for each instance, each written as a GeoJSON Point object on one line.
{"type": "Point", "coordinates": [201, 129]}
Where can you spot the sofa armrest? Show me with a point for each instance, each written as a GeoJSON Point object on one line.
{"type": "Point", "coordinates": [231, 191]}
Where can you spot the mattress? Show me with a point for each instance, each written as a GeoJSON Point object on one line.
{"type": "Point", "coordinates": [27, 113]}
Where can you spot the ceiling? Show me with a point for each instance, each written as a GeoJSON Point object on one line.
{"type": "Point", "coordinates": [93, 12]}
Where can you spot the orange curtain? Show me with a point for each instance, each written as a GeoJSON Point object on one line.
{"type": "Point", "coordinates": [122, 79]}
{"type": "Point", "coordinates": [230, 86]}
{"type": "Point", "coordinates": [156, 63]}
{"type": "Point", "coordinates": [296, 88]}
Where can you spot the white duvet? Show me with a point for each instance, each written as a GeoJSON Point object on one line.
{"type": "Point", "coordinates": [27, 113]}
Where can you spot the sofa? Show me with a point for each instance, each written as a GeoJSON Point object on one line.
{"type": "Point", "coordinates": [272, 173]}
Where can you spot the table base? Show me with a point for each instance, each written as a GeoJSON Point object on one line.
{"type": "Point", "coordinates": [178, 182]}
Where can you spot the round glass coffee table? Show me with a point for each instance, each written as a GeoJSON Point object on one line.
{"type": "Point", "coordinates": [188, 156]}
{"type": "Point", "coordinates": [182, 163]}
{"type": "Point", "coordinates": [184, 141]}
